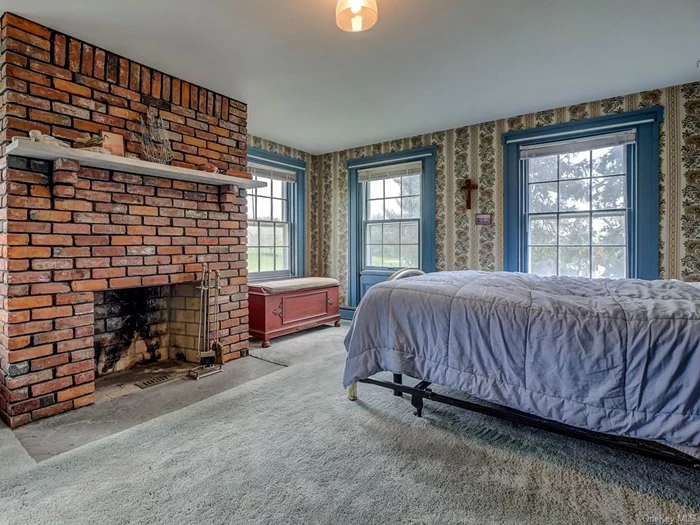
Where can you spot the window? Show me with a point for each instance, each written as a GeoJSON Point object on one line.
{"type": "Point", "coordinates": [269, 225]}
{"type": "Point", "coordinates": [582, 198]}
{"type": "Point", "coordinates": [392, 216]}
{"type": "Point", "coordinates": [577, 207]}
{"type": "Point", "coordinates": [275, 220]}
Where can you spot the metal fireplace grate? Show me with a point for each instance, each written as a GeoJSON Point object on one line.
{"type": "Point", "coordinates": [153, 381]}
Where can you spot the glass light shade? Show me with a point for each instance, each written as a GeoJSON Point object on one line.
{"type": "Point", "coordinates": [354, 16]}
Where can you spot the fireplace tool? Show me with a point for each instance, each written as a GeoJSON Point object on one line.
{"type": "Point", "coordinates": [206, 349]}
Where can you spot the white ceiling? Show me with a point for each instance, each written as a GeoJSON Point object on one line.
{"type": "Point", "coordinates": [427, 65]}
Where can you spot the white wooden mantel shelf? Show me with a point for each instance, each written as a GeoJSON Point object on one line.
{"type": "Point", "coordinates": [24, 147]}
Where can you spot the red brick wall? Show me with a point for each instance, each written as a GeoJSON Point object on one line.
{"type": "Point", "coordinates": [67, 231]}
{"type": "Point", "coordinates": [71, 231]}
{"type": "Point", "coordinates": [71, 89]}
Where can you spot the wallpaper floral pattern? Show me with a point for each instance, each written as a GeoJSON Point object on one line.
{"type": "Point", "coordinates": [475, 152]}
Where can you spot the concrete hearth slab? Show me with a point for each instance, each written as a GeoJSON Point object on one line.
{"type": "Point", "coordinates": [117, 412]}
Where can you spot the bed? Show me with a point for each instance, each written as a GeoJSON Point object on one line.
{"type": "Point", "coordinates": [612, 357]}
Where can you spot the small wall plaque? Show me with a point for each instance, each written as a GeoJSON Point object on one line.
{"type": "Point", "coordinates": [484, 219]}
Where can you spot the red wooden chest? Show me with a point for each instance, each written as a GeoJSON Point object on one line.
{"type": "Point", "coordinates": [276, 309]}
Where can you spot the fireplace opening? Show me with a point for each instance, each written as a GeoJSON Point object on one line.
{"type": "Point", "coordinates": [136, 327]}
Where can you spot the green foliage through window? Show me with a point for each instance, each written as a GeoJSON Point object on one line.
{"type": "Point", "coordinates": [269, 227]}
{"type": "Point", "coordinates": [577, 213]}
{"type": "Point", "coordinates": [392, 222]}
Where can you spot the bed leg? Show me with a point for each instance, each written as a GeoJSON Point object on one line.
{"type": "Point", "coordinates": [398, 379]}
{"type": "Point", "coordinates": [417, 402]}
{"type": "Point", "coordinates": [352, 392]}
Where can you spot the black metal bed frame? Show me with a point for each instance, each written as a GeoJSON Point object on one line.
{"type": "Point", "coordinates": [646, 448]}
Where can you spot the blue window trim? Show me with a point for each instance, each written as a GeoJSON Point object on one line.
{"type": "Point", "coordinates": [427, 155]}
{"type": "Point", "coordinates": [643, 187]}
{"type": "Point", "coordinates": [297, 201]}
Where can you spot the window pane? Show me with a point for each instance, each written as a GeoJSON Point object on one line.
{"type": "Point", "coordinates": [592, 241]}
{"type": "Point", "coordinates": [543, 169]}
{"type": "Point", "coordinates": [281, 259]}
{"type": "Point", "coordinates": [264, 209]}
{"type": "Point", "coordinates": [281, 234]}
{"type": "Point", "coordinates": [543, 230]}
{"type": "Point", "coordinates": [393, 208]}
{"type": "Point", "coordinates": [392, 187]}
{"type": "Point", "coordinates": [574, 262]}
{"type": "Point", "coordinates": [411, 207]}
{"type": "Point", "coordinates": [575, 165]}
{"type": "Point", "coordinates": [374, 256]}
{"type": "Point", "coordinates": [253, 260]}
{"type": "Point", "coordinates": [411, 185]}
{"type": "Point", "coordinates": [267, 259]}
{"type": "Point", "coordinates": [574, 195]}
{"type": "Point", "coordinates": [609, 229]}
{"type": "Point", "coordinates": [253, 238]}
{"type": "Point", "coordinates": [267, 234]}
{"type": "Point", "coordinates": [609, 193]}
{"type": "Point", "coordinates": [267, 190]}
{"type": "Point", "coordinates": [250, 202]}
{"type": "Point", "coordinates": [543, 261]}
{"type": "Point", "coordinates": [391, 256]}
{"type": "Point", "coordinates": [543, 197]}
{"type": "Point", "coordinates": [278, 210]}
{"type": "Point", "coordinates": [609, 161]}
{"type": "Point", "coordinates": [376, 210]}
{"type": "Point", "coordinates": [409, 256]}
{"type": "Point", "coordinates": [609, 262]}
{"type": "Point", "coordinates": [374, 233]}
{"type": "Point", "coordinates": [277, 189]}
{"type": "Point", "coordinates": [391, 233]}
{"type": "Point", "coordinates": [376, 189]}
{"type": "Point", "coordinates": [409, 233]}
{"type": "Point", "coordinates": [574, 230]}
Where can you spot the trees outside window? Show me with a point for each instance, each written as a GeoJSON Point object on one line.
{"type": "Point", "coordinates": [577, 213]}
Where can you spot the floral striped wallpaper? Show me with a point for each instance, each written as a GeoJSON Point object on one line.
{"type": "Point", "coordinates": [476, 152]}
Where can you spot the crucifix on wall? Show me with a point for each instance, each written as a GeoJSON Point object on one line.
{"type": "Point", "coordinates": [468, 186]}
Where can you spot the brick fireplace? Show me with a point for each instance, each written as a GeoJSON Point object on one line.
{"type": "Point", "coordinates": [79, 241]}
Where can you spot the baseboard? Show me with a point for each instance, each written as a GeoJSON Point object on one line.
{"type": "Point", "coordinates": [346, 312]}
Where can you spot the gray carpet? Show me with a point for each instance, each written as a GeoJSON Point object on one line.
{"type": "Point", "coordinates": [288, 448]}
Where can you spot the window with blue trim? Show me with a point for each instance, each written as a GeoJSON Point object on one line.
{"type": "Point", "coordinates": [391, 217]}
{"type": "Point", "coordinates": [275, 217]}
{"type": "Point", "coordinates": [582, 199]}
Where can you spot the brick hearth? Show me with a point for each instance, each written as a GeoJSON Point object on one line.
{"type": "Point", "coordinates": [71, 231]}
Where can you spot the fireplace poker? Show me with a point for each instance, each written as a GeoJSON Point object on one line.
{"type": "Point", "coordinates": [216, 344]}
{"type": "Point", "coordinates": [206, 354]}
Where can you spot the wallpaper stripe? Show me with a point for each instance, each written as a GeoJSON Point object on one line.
{"type": "Point", "coordinates": [673, 168]}
{"type": "Point", "coordinates": [450, 189]}
{"type": "Point", "coordinates": [499, 196]}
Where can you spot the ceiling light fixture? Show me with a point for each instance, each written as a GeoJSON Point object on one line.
{"type": "Point", "coordinates": [355, 16]}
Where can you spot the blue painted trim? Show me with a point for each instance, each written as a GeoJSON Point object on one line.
{"type": "Point", "coordinates": [646, 203]}
{"type": "Point", "coordinates": [428, 220]}
{"type": "Point", "coordinates": [274, 159]}
{"type": "Point", "coordinates": [297, 202]}
{"type": "Point", "coordinates": [354, 253]}
{"type": "Point", "coordinates": [643, 192]}
{"type": "Point", "coordinates": [513, 216]}
{"type": "Point", "coordinates": [300, 224]}
{"type": "Point", "coordinates": [391, 158]}
{"type": "Point", "coordinates": [618, 119]}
